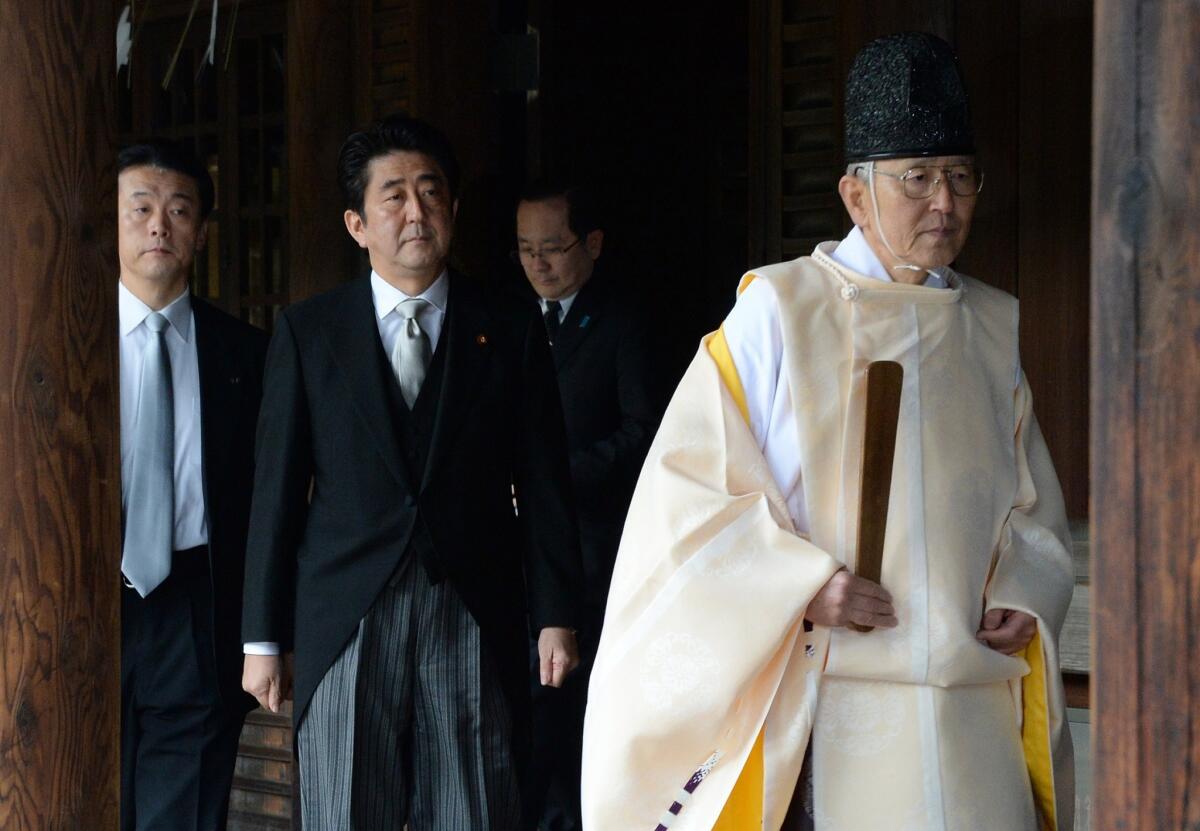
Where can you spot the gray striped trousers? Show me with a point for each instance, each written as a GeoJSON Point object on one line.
{"type": "Point", "coordinates": [409, 725]}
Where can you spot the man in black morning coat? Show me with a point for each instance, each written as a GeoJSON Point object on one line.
{"type": "Point", "coordinates": [401, 413]}
{"type": "Point", "coordinates": [609, 383]}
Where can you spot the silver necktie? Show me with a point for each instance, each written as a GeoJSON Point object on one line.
{"type": "Point", "coordinates": [150, 502]}
{"type": "Point", "coordinates": [411, 354]}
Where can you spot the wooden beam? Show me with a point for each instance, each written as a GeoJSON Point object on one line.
{"type": "Point", "coordinates": [1145, 373]}
{"type": "Point", "coordinates": [60, 487]}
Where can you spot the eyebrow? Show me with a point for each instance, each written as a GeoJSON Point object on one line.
{"type": "Point", "coordinates": [421, 177]}
{"type": "Point", "coordinates": [187, 197]}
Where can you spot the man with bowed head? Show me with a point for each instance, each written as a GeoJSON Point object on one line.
{"type": "Point", "coordinates": [401, 412]}
{"type": "Point", "coordinates": [731, 647]}
{"type": "Point", "coordinates": [605, 363]}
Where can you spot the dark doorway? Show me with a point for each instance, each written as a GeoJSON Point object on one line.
{"type": "Point", "coordinates": [647, 104]}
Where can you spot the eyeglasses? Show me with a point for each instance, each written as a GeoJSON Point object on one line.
{"type": "Point", "coordinates": [549, 253]}
{"type": "Point", "coordinates": [921, 182]}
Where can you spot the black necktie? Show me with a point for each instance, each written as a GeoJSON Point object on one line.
{"type": "Point", "coordinates": [551, 319]}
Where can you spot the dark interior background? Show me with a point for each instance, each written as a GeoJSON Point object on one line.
{"type": "Point", "coordinates": [713, 140]}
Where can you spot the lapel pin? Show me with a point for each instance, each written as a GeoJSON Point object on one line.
{"type": "Point", "coordinates": [481, 340]}
{"type": "Point", "coordinates": [584, 322]}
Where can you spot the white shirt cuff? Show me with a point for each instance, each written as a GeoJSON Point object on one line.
{"type": "Point", "coordinates": [261, 648]}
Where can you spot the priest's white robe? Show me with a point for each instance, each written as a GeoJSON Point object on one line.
{"type": "Point", "coordinates": [706, 688]}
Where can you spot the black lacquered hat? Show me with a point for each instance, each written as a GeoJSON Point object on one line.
{"type": "Point", "coordinates": [905, 98]}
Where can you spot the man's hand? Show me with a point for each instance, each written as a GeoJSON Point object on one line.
{"type": "Point", "coordinates": [847, 599]}
{"type": "Point", "coordinates": [269, 679]}
{"type": "Point", "coordinates": [1006, 630]}
{"type": "Point", "coordinates": [558, 654]}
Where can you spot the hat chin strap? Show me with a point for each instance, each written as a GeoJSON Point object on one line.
{"type": "Point", "coordinates": [879, 226]}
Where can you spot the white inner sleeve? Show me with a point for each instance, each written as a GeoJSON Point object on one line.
{"type": "Point", "coordinates": [260, 648]}
{"type": "Point", "coordinates": [754, 334]}
{"type": "Point", "coordinates": [755, 338]}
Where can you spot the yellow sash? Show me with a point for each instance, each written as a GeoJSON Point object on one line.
{"type": "Point", "coordinates": [744, 808]}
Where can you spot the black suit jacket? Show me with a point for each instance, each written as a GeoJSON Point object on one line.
{"type": "Point", "coordinates": [610, 383]}
{"type": "Point", "coordinates": [315, 566]}
{"type": "Point", "coordinates": [230, 355]}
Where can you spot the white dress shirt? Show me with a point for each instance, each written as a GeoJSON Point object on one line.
{"type": "Point", "coordinates": [431, 319]}
{"type": "Point", "coordinates": [191, 521]}
{"type": "Point", "coordinates": [564, 305]}
{"type": "Point", "coordinates": [755, 339]}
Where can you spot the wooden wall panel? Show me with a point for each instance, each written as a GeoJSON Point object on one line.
{"type": "Point", "coordinates": [320, 114]}
{"type": "Point", "coordinates": [1145, 471]}
{"type": "Point", "coordinates": [392, 27]}
{"type": "Point", "coordinates": [432, 60]}
{"type": "Point", "coordinates": [60, 485]}
{"type": "Point", "coordinates": [765, 140]}
{"type": "Point", "coordinates": [990, 52]}
{"type": "Point", "coordinates": [387, 49]}
{"type": "Point", "coordinates": [453, 87]}
{"type": "Point", "coordinates": [1052, 191]}
{"type": "Point", "coordinates": [865, 20]}
{"type": "Point", "coordinates": [810, 129]}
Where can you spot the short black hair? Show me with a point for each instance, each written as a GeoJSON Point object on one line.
{"type": "Point", "coordinates": [394, 133]}
{"type": "Point", "coordinates": [170, 155]}
{"type": "Point", "coordinates": [583, 214]}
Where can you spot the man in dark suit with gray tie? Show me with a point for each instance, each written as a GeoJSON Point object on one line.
{"type": "Point", "coordinates": [191, 381]}
{"type": "Point", "coordinates": [401, 413]}
{"type": "Point", "coordinates": [608, 379]}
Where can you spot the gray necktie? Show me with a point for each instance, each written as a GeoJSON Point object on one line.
{"type": "Point", "coordinates": [411, 354]}
{"type": "Point", "coordinates": [150, 502]}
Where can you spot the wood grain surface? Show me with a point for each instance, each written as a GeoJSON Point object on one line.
{"type": "Point", "coordinates": [1145, 439]}
{"type": "Point", "coordinates": [884, 382]}
{"type": "Point", "coordinates": [59, 466]}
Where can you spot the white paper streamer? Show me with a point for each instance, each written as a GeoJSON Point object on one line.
{"type": "Point", "coordinates": [210, 54]}
{"type": "Point", "coordinates": [124, 38]}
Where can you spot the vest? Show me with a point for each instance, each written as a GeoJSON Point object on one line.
{"type": "Point", "coordinates": [415, 428]}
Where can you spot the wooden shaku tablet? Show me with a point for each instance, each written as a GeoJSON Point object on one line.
{"type": "Point", "coordinates": [885, 380]}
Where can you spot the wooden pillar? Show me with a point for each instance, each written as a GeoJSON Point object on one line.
{"type": "Point", "coordinates": [59, 464]}
{"type": "Point", "coordinates": [1145, 467]}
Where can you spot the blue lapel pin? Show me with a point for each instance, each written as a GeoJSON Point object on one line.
{"type": "Point", "coordinates": [584, 322]}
